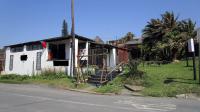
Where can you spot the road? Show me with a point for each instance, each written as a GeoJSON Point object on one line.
{"type": "Point", "coordinates": [32, 98]}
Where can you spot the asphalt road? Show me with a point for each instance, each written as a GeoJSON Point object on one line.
{"type": "Point", "coordinates": [31, 98]}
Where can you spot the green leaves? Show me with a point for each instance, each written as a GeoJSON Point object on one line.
{"type": "Point", "coordinates": [167, 34]}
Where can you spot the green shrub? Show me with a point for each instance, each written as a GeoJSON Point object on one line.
{"type": "Point", "coordinates": [14, 77]}
{"type": "Point", "coordinates": [114, 86]}
{"type": "Point", "coordinates": [132, 70]}
{"type": "Point", "coordinates": [50, 75]}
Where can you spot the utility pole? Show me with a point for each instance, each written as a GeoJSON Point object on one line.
{"type": "Point", "coordinates": [73, 38]}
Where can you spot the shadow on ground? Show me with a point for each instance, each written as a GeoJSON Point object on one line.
{"type": "Point", "coordinates": [179, 80]}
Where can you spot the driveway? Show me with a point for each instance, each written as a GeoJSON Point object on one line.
{"type": "Point", "coordinates": [31, 98]}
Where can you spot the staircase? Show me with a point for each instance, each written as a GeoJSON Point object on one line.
{"type": "Point", "coordinates": [104, 76]}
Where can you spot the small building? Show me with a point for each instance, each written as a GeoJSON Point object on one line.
{"type": "Point", "coordinates": [31, 58]}
{"type": "Point", "coordinates": [132, 45]}
{"type": "Point", "coordinates": [135, 48]}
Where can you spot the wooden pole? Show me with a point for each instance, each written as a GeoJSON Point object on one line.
{"type": "Point", "coordinates": [73, 37]}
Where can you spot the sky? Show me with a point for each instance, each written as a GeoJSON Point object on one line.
{"type": "Point", "coordinates": [27, 20]}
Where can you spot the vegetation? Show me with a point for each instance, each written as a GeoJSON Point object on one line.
{"type": "Point", "coordinates": [165, 80]}
{"type": "Point", "coordinates": [131, 76]}
{"type": "Point", "coordinates": [165, 38]}
{"type": "Point", "coordinates": [169, 80]}
{"type": "Point", "coordinates": [114, 86]}
{"type": "Point", "coordinates": [49, 78]}
{"type": "Point", "coordinates": [65, 32]}
{"type": "Point", "coordinates": [128, 37]}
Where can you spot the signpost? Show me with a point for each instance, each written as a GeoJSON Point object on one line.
{"type": "Point", "coordinates": [192, 50]}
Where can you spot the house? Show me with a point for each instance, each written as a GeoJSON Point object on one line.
{"type": "Point", "coordinates": [135, 48]}
{"type": "Point", "coordinates": [31, 58]}
{"type": "Point", "coordinates": [2, 60]}
{"type": "Point", "coordinates": [133, 45]}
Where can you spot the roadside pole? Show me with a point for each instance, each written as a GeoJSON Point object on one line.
{"type": "Point", "coordinates": [73, 37]}
{"type": "Point", "coordinates": [191, 49]}
{"type": "Point", "coordinates": [198, 37]}
{"type": "Point", "coordinates": [186, 52]}
{"type": "Point", "coordinates": [194, 66]}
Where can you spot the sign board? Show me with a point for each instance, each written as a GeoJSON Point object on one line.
{"type": "Point", "coordinates": [191, 45]}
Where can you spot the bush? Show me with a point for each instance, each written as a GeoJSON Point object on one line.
{"type": "Point", "coordinates": [50, 75]}
{"type": "Point", "coordinates": [114, 86]}
{"type": "Point", "coordinates": [14, 77]}
{"type": "Point", "coordinates": [133, 71]}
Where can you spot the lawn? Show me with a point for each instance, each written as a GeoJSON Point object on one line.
{"type": "Point", "coordinates": [169, 80]}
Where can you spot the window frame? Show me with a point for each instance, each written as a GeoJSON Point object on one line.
{"type": "Point", "coordinates": [33, 47]}
{"type": "Point", "coordinates": [39, 61]}
{"type": "Point", "coordinates": [17, 49]}
{"type": "Point", "coordinates": [11, 62]}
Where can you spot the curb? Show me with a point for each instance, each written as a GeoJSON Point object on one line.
{"type": "Point", "coordinates": [80, 91]}
{"type": "Point", "coordinates": [89, 92]}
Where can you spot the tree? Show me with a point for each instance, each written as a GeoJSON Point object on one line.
{"type": "Point", "coordinates": [98, 40]}
{"type": "Point", "coordinates": [128, 37]}
{"type": "Point", "coordinates": [166, 37]}
{"type": "Point", "coordinates": [65, 29]}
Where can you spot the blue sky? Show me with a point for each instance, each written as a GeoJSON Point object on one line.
{"type": "Point", "coordinates": [26, 20]}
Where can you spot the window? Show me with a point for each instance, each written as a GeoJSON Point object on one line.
{"type": "Point", "coordinates": [17, 49]}
{"type": "Point", "coordinates": [61, 63]}
{"type": "Point", "coordinates": [11, 62]}
{"type": "Point", "coordinates": [24, 57]}
{"type": "Point", "coordinates": [38, 60]}
{"type": "Point", "coordinates": [57, 52]}
{"type": "Point", "coordinates": [32, 47]}
{"type": "Point", "coordinates": [82, 45]}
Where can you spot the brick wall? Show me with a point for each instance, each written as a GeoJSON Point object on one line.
{"type": "Point", "coordinates": [122, 56]}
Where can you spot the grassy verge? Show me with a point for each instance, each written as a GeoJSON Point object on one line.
{"type": "Point", "coordinates": [118, 83]}
{"type": "Point", "coordinates": [169, 80]}
{"type": "Point", "coordinates": [58, 80]}
{"type": "Point", "coordinates": [114, 86]}
{"type": "Point", "coordinates": [159, 81]}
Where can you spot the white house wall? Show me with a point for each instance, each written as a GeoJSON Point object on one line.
{"type": "Point", "coordinates": [68, 55]}
{"type": "Point", "coordinates": [76, 52]}
{"type": "Point", "coordinates": [112, 58]}
{"type": "Point", "coordinates": [28, 67]}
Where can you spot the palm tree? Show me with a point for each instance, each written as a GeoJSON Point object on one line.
{"type": "Point", "coordinates": [153, 35]}
{"type": "Point", "coordinates": [166, 37]}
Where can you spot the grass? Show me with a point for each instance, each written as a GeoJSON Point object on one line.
{"type": "Point", "coordinates": [159, 81]}
{"type": "Point", "coordinates": [169, 80]}
{"type": "Point", "coordinates": [49, 78]}
{"type": "Point", "coordinates": [114, 86]}
{"type": "Point", "coordinates": [118, 83]}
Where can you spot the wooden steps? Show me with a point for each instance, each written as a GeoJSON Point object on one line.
{"type": "Point", "coordinates": [103, 76]}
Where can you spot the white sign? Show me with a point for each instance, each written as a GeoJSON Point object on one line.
{"type": "Point", "coordinates": [191, 45]}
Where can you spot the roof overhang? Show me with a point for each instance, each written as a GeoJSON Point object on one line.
{"type": "Point", "coordinates": [51, 40]}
